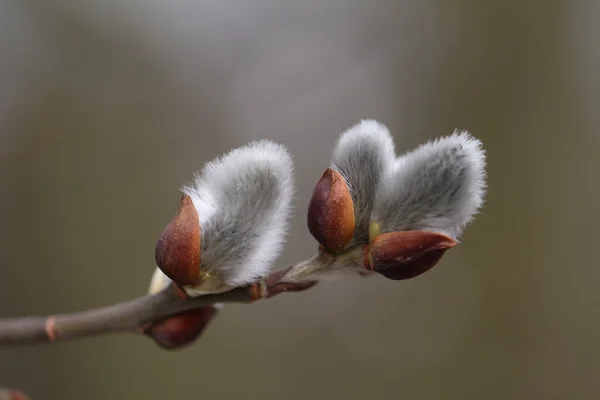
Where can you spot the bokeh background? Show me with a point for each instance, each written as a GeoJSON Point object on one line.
{"type": "Point", "coordinates": [106, 107]}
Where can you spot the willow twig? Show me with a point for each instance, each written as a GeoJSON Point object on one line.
{"type": "Point", "coordinates": [133, 315]}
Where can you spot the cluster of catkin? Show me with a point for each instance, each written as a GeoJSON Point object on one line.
{"type": "Point", "coordinates": [372, 212]}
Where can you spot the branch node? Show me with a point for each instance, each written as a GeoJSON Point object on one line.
{"type": "Point", "coordinates": [50, 328]}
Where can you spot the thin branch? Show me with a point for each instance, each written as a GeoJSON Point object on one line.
{"type": "Point", "coordinates": [133, 315]}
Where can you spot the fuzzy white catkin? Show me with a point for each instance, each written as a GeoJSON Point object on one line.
{"type": "Point", "coordinates": [362, 155]}
{"type": "Point", "coordinates": [439, 187]}
{"type": "Point", "coordinates": [243, 200]}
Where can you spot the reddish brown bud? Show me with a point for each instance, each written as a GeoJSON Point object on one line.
{"type": "Point", "coordinates": [404, 255]}
{"type": "Point", "coordinates": [181, 330]}
{"type": "Point", "coordinates": [177, 251]}
{"type": "Point", "coordinates": [331, 212]}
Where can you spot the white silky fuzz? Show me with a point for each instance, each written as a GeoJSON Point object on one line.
{"type": "Point", "coordinates": [362, 155]}
{"type": "Point", "coordinates": [438, 187]}
{"type": "Point", "coordinates": [243, 200]}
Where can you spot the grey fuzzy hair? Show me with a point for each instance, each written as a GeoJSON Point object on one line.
{"type": "Point", "coordinates": [243, 200]}
{"type": "Point", "coordinates": [362, 155]}
{"type": "Point", "coordinates": [439, 187]}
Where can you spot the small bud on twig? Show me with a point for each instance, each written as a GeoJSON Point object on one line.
{"type": "Point", "coordinates": [405, 255]}
{"type": "Point", "coordinates": [181, 330]}
{"type": "Point", "coordinates": [331, 212]}
{"type": "Point", "coordinates": [177, 251]}
{"type": "Point", "coordinates": [275, 284]}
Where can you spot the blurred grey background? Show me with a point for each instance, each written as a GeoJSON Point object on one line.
{"type": "Point", "coordinates": [106, 107]}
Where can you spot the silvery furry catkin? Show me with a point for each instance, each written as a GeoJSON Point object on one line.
{"type": "Point", "coordinates": [437, 187]}
{"type": "Point", "coordinates": [362, 155]}
{"type": "Point", "coordinates": [243, 200]}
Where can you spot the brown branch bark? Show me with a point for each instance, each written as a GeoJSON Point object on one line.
{"type": "Point", "coordinates": [133, 315]}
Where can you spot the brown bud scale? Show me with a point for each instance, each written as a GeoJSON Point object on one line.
{"type": "Point", "coordinates": [331, 212]}
{"type": "Point", "coordinates": [177, 251]}
{"type": "Point", "coordinates": [406, 254]}
{"type": "Point", "coordinates": [180, 330]}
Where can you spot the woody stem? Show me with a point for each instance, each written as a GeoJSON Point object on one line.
{"type": "Point", "coordinates": [132, 315]}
